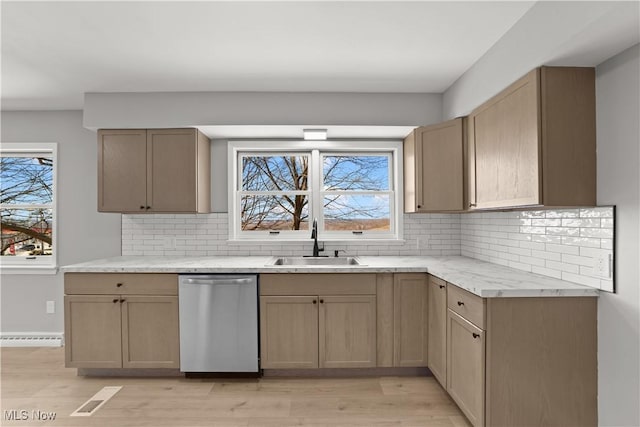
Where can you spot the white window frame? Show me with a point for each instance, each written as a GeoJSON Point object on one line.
{"type": "Point", "coordinates": [44, 264]}
{"type": "Point", "coordinates": [317, 149]}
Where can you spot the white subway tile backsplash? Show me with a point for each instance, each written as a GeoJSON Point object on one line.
{"type": "Point", "coordinates": [563, 249]}
{"type": "Point", "coordinates": [555, 243]}
{"type": "Point", "coordinates": [601, 233]}
{"type": "Point", "coordinates": [581, 222]}
{"type": "Point", "coordinates": [601, 212]}
{"type": "Point", "coordinates": [547, 222]}
{"type": "Point", "coordinates": [560, 266]}
{"type": "Point", "coordinates": [563, 231]}
{"type": "Point", "coordinates": [207, 235]}
{"type": "Point", "coordinates": [562, 213]}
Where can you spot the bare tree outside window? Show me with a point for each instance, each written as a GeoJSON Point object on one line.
{"type": "Point", "coordinates": [275, 192]}
{"type": "Point", "coordinates": [26, 205]}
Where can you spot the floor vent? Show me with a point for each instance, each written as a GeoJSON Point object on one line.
{"type": "Point", "coordinates": [31, 339]}
{"type": "Point", "coordinates": [89, 407]}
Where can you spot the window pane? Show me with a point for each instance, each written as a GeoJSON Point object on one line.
{"type": "Point", "coordinates": [351, 172]}
{"type": "Point", "coordinates": [26, 232]}
{"type": "Point", "coordinates": [26, 180]}
{"type": "Point", "coordinates": [274, 212]}
{"type": "Point", "coordinates": [357, 212]}
{"type": "Point", "coordinates": [275, 173]}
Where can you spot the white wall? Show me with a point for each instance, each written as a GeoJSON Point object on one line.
{"type": "Point", "coordinates": [83, 233]}
{"type": "Point", "coordinates": [569, 33]}
{"type": "Point", "coordinates": [618, 116]}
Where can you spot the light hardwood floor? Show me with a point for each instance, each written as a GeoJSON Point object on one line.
{"type": "Point", "coordinates": [36, 379]}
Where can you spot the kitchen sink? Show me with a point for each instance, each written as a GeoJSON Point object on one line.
{"type": "Point", "coordinates": [316, 261]}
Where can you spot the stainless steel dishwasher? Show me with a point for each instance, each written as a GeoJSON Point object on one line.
{"type": "Point", "coordinates": [218, 323]}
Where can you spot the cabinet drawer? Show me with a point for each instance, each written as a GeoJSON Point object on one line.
{"type": "Point", "coordinates": [318, 284]}
{"type": "Point", "coordinates": [438, 281]}
{"type": "Point", "coordinates": [466, 304]}
{"type": "Point", "coordinates": [120, 283]}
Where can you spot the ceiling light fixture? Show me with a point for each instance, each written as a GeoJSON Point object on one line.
{"type": "Point", "coordinates": [314, 134]}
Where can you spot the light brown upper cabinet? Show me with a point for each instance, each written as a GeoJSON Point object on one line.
{"type": "Point", "coordinates": [535, 143]}
{"type": "Point", "coordinates": [433, 167]}
{"type": "Point", "coordinates": [153, 170]}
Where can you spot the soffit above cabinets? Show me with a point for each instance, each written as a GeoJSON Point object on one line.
{"type": "Point", "coordinates": [295, 132]}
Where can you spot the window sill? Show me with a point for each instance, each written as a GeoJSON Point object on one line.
{"type": "Point", "coordinates": [21, 269]}
{"type": "Point", "coordinates": [321, 241]}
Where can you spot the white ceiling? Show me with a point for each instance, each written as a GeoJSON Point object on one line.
{"type": "Point", "coordinates": [54, 52]}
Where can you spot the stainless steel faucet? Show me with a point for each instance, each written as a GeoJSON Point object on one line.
{"type": "Point", "coordinates": [314, 236]}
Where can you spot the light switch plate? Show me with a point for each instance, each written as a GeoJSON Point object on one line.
{"type": "Point", "coordinates": [602, 265]}
{"type": "Point", "coordinates": [51, 307]}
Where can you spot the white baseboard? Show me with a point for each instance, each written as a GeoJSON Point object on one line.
{"type": "Point", "coordinates": [31, 339]}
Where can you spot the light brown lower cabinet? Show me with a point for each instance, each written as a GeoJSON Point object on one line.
{"type": "Point", "coordinates": [437, 329]}
{"type": "Point", "coordinates": [300, 332]}
{"type": "Point", "coordinates": [330, 323]}
{"type": "Point", "coordinates": [410, 320]}
{"type": "Point", "coordinates": [121, 330]}
{"type": "Point", "coordinates": [466, 366]}
{"type": "Point", "coordinates": [522, 361]}
{"type": "Point", "coordinates": [289, 332]}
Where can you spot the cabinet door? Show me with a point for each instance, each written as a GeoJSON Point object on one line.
{"type": "Point", "coordinates": [437, 348]}
{"type": "Point", "coordinates": [288, 332]}
{"type": "Point", "coordinates": [347, 331]}
{"type": "Point", "coordinates": [410, 319]}
{"type": "Point", "coordinates": [439, 167]}
{"type": "Point", "coordinates": [150, 333]}
{"type": "Point", "coordinates": [122, 172]}
{"type": "Point", "coordinates": [505, 143]}
{"type": "Point", "coordinates": [172, 170]}
{"type": "Point", "coordinates": [466, 367]}
{"type": "Point", "coordinates": [92, 331]}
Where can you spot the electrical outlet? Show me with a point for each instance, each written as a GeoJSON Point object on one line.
{"type": "Point", "coordinates": [423, 242]}
{"type": "Point", "coordinates": [169, 243]}
{"type": "Point", "coordinates": [51, 307]}
{"type": "Point", "coordinates": [602, 265]}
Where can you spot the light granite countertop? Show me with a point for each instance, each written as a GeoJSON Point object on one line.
{"type": "Point", "coordinates": [481, 278]}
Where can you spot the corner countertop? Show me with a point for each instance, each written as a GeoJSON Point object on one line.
{"type": "Point", "coordinates": [478, 277]}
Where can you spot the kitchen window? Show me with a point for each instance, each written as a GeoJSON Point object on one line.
{"type": "Point", "coordinates": [280, 188]}
{"type": "Point", "coordinates": [27, 206]}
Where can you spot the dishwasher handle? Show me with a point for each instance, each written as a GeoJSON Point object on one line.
{"type": "Point", "coordinates": [238, 281]}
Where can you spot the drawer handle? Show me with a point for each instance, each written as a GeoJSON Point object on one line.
{"type": "Point", "coordinates": [315, 302]}
{"type": "Point", "coordinates": [122, 300]}
{"type": "Point", "coordinates": [115, 300]}
{"type": "Point", "coordinates": [460, 303]}
{"type": "Point", "coordinates": [148, 207]}
{"type": "Point", "coordinates": [475, 335]}
{"type": "Point", "coordinates": [441, 286]}
{"type": "Point", "coordinates": [321, 301]}
{"type": "Point", "coordinates": [419, 206]}
{"type": "Point", "coordinates": [118, 284]}
{"type": "Point", "coordinates": [141, 207]}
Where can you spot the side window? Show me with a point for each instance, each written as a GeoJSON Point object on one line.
{"type": "Point", "coordinates": [27, 204]}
